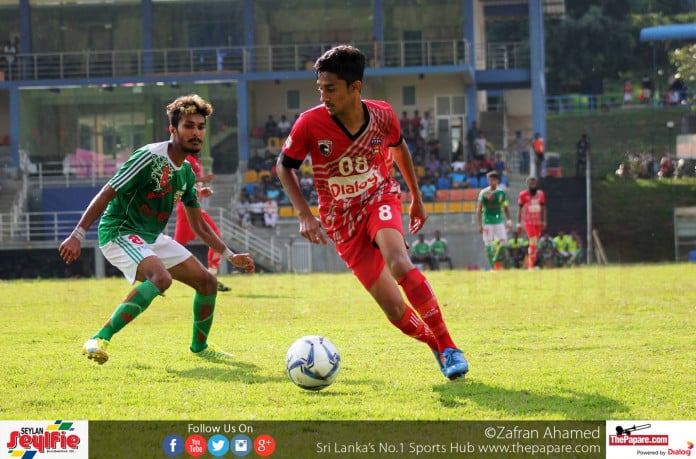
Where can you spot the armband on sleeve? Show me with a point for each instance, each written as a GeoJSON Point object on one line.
{"type": "Point", "coordinates": [290, 162]}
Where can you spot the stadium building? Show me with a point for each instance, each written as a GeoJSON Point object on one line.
{"type": "Point", "coordinates": [88, 81]}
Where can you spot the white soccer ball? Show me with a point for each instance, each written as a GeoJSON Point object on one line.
{"type": "Point", "coordinates": [313, 362]}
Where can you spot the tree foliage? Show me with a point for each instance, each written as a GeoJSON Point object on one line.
{"type": "Point", "coordinates": [684, 59]}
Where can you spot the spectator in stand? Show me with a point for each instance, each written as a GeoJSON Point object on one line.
{"type": "Point", "coordinates": [518, 249]}
{"type": "Point", "coordinates": [539, 149]}
{"type": "Point", "coordinates": [560, 242]}
{"type": "Point", "coordinates": [306, 185]}
{"type": "Point", "coordinates": [457, 179]}
{"type": "Point", "coordinates": [547, 252]}
{"type": "Point", "coordinates": [270, 129]}
{"type": "Point", "coordinates": [471, 135]}
{"type": "Point", "coordinates": [405, 124]}
{"type": "Point", "coordinates": [582, 149]}
{"type": "Point", "coordinates": [666, 170]}
{"type": "Point", "coordinates": [9, 52]}
{"type": "Point", "coordinates": [499, 165]}
{"type": "Point", "coordinates": [647, 87]}
{"type": "Point", "coordinates": [432, 145]}
{"type": "Point", "coordinates": [493, 215]}
{"type": "Point", "coordinates": [628, 93]}
{"type": "Point", "coordinates": [284, 126]}
{"type": "Point", "coordinates": [268, 161]}
{"type": "Point", "coordinates": [480, 146]}
{"type": "Point", "coordinates": [415, 126]}
{"type": "Point", "coordinates": [428, 189]}
{"type": "Point", "coordinates": [242, 210]}
{"type": "Point", "coordinates": [443, 182]}
{"type": "Point", "coordinates": [270, 213]}
{"type": "Point", "coordinates": [420, 252]}
{"type": "Point", "coordinates": [438, 250]}
{"type": "Point", "coordinates": [522, 148]}
{"type": "Point", "coordinates": [459, 165]}
{"type": "Point", "coordinates": [256, 211]}
{"type": "Point", "coordinates": [424, 129]}
{"type": "Point", "coordinates": [575, 249]}
{"type": "Point", "coordinates": [432, 165]}
{"type": "Point", "coordinates": [255, 163]}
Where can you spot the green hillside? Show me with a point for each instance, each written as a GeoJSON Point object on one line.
{"type": "Point", "coordinates": [612, 134]}
{"type": "Point", "coordinates": [634, 217]}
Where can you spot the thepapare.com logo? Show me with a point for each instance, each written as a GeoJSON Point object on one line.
{"type": "Point", "coordinates": [44, 439]}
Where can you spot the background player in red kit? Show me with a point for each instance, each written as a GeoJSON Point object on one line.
{"type": "Point", "coordinates": [532, 204]}
{"type": "Point", "coordinates": [353, 144]}
{"type": "Point", "coordinates": [183, 234]}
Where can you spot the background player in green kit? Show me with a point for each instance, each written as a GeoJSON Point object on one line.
{"type": "Point", "coordinates": [135, 206]}
{"type": "Point", "coordinates": [491, 206]}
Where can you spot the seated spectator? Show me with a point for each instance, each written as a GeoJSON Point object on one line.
{"type": "Point", "coordinates": [428, 189]}
{"type": "Point", "coordinates": [256, 211]}
{"type": "Point", "coordinates": [546, 252]}
{"type": "Point", "coordinates": [575, 249]}
{"type": "Point", "coordinates": [680, 170]}
{"type": "Point", "coordinates": [255, 162]}
{"type": "Point", "coordinates": [306, 184]}
{"type": "Point", "coordinates": [458, 179]}
{"type": "Point", "coordinates": [438, 251]}
{"type": "Point", "coordinates": [517, 247]}
{"type": "Point", "coordinates": [499, 164]}
{"type": "Point", "coordinates": [270, 129]}
{"type": "Point", "coordinates": [432, 165]}
{"type": "Point", "coordinates": [283, 126]}
{"type": "Point", "coordinates": [666, 169]}
{"type": "Point", "coordinates": [270, 213]}
{"type": "Point", "coordinates": [560, 241]}
{"type": "Point", "coordinates": [459, 164]}
{"type": "Point", "coordinates": [443, 182]}
{"type": "Point", "coordinates": [420, 252]}
{"type": "Point", "coordinates": [242, 211]}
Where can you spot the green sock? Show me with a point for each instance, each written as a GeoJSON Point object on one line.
{"type": "Point", "coordinates": [489, 254]}
{"type": "Point", "coordinates": [129, 310]}
{"type": "Point", "coordinates": [203, 307]}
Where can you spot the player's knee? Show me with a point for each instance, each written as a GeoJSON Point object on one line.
{"type": "Point", "coordinates": [162, 280]}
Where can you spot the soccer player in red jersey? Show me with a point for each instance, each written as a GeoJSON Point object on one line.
{"type": "Point", "coordinates": [353, 144]}
{"type": "Point", "coordinates": [532, 205]}
{"type": "Point", "coordinates": [183, 234]}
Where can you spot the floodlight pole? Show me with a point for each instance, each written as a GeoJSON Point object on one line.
{"type": "Point", "coordinates": [588, 198]}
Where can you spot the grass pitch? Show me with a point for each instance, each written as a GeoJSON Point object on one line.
{"type": "Point", "coordinates": [585, 344]}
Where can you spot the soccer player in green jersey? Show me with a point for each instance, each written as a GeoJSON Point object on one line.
{"type": "Point", "coordinates": [134, 206]}
{"type": "Point", "coordinates": [491, 207]}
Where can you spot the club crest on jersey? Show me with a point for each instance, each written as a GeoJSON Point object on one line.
{"type": "Point", "coordinates": [325, 147]}
{"type": "Point", "coordinates": [376, 145]}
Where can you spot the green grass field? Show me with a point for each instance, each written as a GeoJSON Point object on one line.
{"type": "Point", "coordinates": [586, 344]}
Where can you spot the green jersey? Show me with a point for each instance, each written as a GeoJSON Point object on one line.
{"type": "Point", "coordinates": [439, 246]}
{"type": "Point", "coordinates": [147, 187]}
{"type": "Point", "coordinates": [421, 248]}
{"type": "Point", "coordinates": [493, 202]}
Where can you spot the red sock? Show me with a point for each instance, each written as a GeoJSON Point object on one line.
{"type": "Point", "coordinates": [421, 296]}
{"type": "Point", "coordinates": [412, 325]}
{"type": "Point", "coordinates": [531, 255]}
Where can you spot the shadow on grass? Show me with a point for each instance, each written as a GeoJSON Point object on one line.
{"type": "Point", "coordinates": [230, 370]}
{"type": "Point", "coordinates": [509, 402]}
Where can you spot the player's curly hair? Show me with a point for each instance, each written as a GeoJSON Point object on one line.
{"type": "Point", "coordinates": [188, 105]}
{"type": "Point", "coordinates": [346, 61]}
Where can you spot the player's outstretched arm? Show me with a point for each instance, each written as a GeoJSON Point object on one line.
{"type": "Point", "coordinates": [70, 248]}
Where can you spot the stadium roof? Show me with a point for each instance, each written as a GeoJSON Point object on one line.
{"type": "Point", "coordinates": [669, 32]}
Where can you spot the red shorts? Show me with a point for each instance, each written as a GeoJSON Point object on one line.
{"type": "Point", "coordinates": [533, 231]}
{"type": "Point", "coordinates": [183, 234]}
{"type": "Point", "coordinates": [360, 253]}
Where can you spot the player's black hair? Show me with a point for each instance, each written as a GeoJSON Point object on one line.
{"type": "Point", "coordinates": [493, 174]}
{"type": "Point", "coordinates": [346, 61]}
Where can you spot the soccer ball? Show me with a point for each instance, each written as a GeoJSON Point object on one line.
{"type": "Point", "coordinates": [312, 362]}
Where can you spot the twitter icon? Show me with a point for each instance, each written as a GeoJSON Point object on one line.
{"type": "Point", "coordinates": [218, 445]}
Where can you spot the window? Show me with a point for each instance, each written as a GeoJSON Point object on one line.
{"type": "Point", "coordinates": [292, 100]}
{"type": "Point", "coordinates": [408, 95]}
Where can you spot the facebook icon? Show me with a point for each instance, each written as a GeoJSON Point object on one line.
{"type": "Point", "coordinates": [173, 445]}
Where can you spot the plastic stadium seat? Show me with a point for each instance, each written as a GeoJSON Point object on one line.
{"type": "Point", "coordinates": [442, 195]}
{"type": "Point", "coordinates": [251, 176]}
{"type": "Point", "coordinates": [473, 182]}
{"type": "Point", "coordinates": [483, 182]}
{"type": "Point", "coordinates": [471, 194]}
{"type": "Point", "coordinates": [458, 194]}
